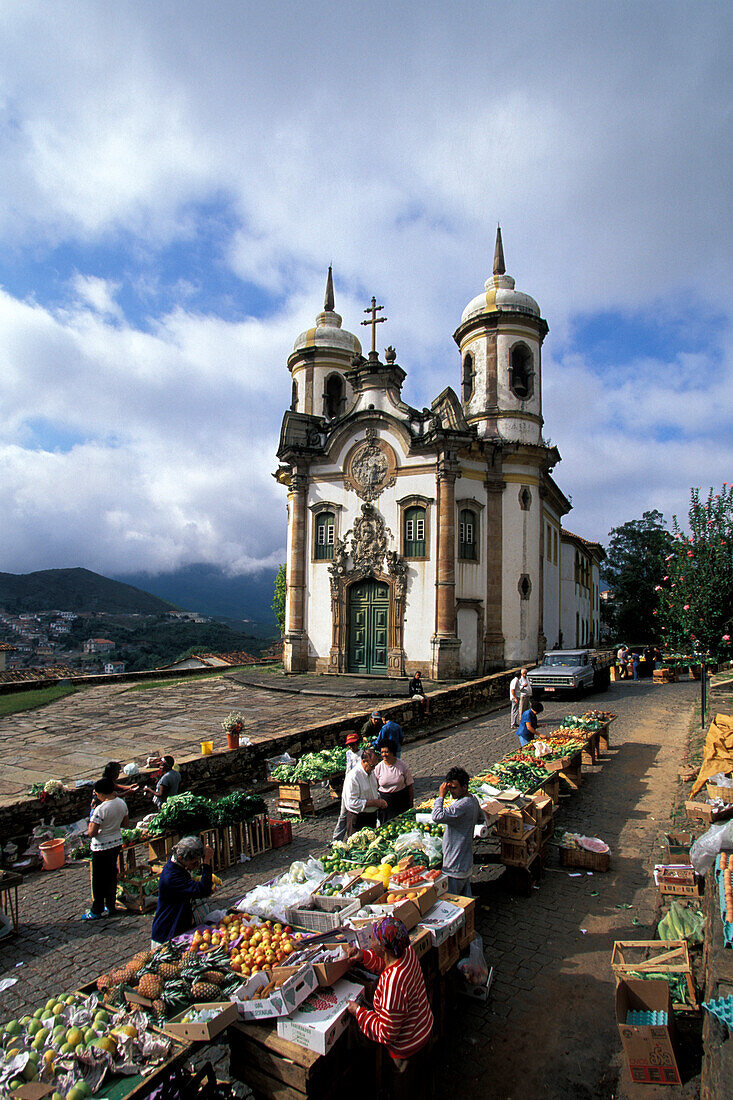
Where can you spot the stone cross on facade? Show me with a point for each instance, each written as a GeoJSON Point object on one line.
{"type": "Point", "coordinates": [374, 321]}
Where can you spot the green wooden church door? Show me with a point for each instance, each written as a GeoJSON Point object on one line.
{"type": "Point", "coordinates": [368, 627]}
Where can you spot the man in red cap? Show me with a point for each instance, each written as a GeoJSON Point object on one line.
{"type": "Point", "coordinates": [353, 757]}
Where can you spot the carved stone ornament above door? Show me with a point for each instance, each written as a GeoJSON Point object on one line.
{"type": "Point", "coordinates": [370, 539]}
{"type": "Point", "coordinates": [370, 467]}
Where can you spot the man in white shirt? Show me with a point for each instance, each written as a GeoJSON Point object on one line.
{"type": "Point", "coordinates": [353, 757]}
{"type": "Point", "coordinates": [524, 691]}
{"type": "Point", "coordinates": [105, 824]}
{"type": "Point", "coordinates": [360, 796]}
{"type": "Point", "coordinates": [514, 700]}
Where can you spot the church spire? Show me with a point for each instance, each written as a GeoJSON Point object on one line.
{"type": "Point", "coordinates": [328, 300]}
{"type": "Point", "coordinates": [499, 265]}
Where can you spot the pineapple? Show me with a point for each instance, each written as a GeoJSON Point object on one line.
{"type": "Point", "coordinates": [159, 1008]}
{"type": "Point", "coordinates": [103, 982]}
{"type": "Point", "coordinates": [142, 958]}
{"type": "Point", "coordinates": [117, 976]}
{"type": "Point", "coordinates": [169, 970]}
{"type": "Point", "coordinates": [189, 957]}
{"type": "Point", "coordinates": [205, 991]}
{"type": "Point", "coordinates": [213, 976]}
{"type": "Point", "coordinates": [150, 986]}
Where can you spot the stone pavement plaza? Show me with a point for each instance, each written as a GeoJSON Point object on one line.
{"type": "Point", "coordinates": [548, 1028]}
{"type": "Point", "coordinates": [129, 722]}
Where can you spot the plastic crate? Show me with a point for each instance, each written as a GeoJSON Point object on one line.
{"type": "Point", "coordinates": [281, 832]}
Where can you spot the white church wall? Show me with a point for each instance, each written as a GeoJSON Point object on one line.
{"type": "Point", "coordinates": [551, 578]}
{"type": "Point", "coordinates": [468, 626]}
{"type": "Point", "coordinates": [520, 556]}
{"type": "Point", "coordinates": [419, 613]}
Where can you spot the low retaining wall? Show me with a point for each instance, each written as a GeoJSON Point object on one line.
{"type": "Point", "coordinates": [246, 766]}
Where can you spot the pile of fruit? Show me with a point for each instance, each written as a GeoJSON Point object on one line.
{"type": "Point", "coordinates": [71, 1043]}
{"type": "Point", "coordinates": [246, 948]}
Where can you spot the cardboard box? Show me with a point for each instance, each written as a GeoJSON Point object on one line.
{"type": "Point", "coordinates": [468, 905]}
{"type": "Point", "coordinates": [649, 1050]}
{"type": "Point", "coordinates": [328, 971]}
{"type": "Point", "coordinates": [202, 1032]}
{"type": "Point", "coordinates": [656, 957]}
{"type": "Point", "coordinates": [477, 992]}
{"type": "Point", "coordinates": [678, 847]}
{"type": "Point", "coordinates": [281, 1001]}
{"type": "Point", "coordinates": [443, 921]}
{"type": "Point", "coordinates": [425, 899]}
{"type": "Point", "coordinates": [33, 1090]}
{"type": "Point", "coordinates": [448, 954]}
{"type": "Point", "coordinates": [702, 811]}
{"type": "Point", "coordinates": [421, 941]}
{"type": "Point", "coordinates": [371, 890]}
{"type": "Point", "coordinates": [321, 1018]}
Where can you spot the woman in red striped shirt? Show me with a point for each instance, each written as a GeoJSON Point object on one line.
{"type": "Point", "coordinates": [401, 1019]}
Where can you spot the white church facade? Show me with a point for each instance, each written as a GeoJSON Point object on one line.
{"type": "Point", "coordinates": [428, 539]}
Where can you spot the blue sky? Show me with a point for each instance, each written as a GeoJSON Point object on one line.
{"type": "Point", "coordinates": [176, 180]}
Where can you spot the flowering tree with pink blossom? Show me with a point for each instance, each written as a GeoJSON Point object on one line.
{"type": "Point", "coordinates": [695, 609]}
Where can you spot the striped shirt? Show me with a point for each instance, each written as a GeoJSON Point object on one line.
{"type": "Point", "coordinates": [402, 1019]}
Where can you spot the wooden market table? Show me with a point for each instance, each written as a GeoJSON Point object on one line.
{"type": "Point", "coordinates": [9, 883]}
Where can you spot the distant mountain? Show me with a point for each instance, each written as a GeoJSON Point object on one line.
{"type": "Point", "coordinates": [210, 591]}
{"type": "Point", "coordinates": [77, 590]}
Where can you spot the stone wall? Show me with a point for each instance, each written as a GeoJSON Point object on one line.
{"type": "Point", "coordinates": [247, 767]}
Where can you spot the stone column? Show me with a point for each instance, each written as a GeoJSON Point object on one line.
{"type": "Point", "coordinates": [494, 637]}
{"type": "Point", "coordinates": [445, 642]}
{"type": "Point", "coordinates": [295, 649]}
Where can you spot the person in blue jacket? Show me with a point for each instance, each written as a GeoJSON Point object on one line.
{"type": "Point", "coordinates": [527, 729]}
{"type": "Point", "coordinates": [390, 731]}
{"type": "Point", "coordinates": [177, 889]}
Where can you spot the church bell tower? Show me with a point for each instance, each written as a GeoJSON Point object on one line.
{"type": "Point", "coordinates": [500, 337]}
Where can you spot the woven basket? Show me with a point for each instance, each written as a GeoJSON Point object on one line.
{"type": "Point", "coordinates": [589, 861]}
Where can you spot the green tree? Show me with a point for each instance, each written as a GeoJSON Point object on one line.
{"type": "Point", "coordinates": [634, 568]}
{"type": "Point", "coordinates": [695, 594]}
{"type": "Point", "coordinates": [278, 600]}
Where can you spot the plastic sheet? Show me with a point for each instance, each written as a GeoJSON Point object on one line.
{"type": "Point", "coordinates": [717, 839]}
{"type": "Point", "coordinates": [474, 968]}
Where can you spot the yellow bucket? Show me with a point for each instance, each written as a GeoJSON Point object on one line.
{"type": "Point", "coordinates": [207, 747]}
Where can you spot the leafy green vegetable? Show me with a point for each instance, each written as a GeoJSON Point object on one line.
{"type": "Point", "coordinates": [238, 806]}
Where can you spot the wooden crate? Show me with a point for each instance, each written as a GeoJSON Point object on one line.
{"type": "Point", "coordinates": [665, 676]}
{"type": "Point", "coordinates": [604, 738]}
{"type": "Point", "coordinates": [134, 897]}
{"type": "Point", "coordinates": [590, 753]}
{"type": "Point", "coordinates": [512, 823]}
{"type": "Point", "coordinates": [256, 836]}
{"type": "Point", "coordinates": [541, 809]}
{"type": "Point", "coordinates": [161, 847]}
{"type": "Point", "coordinates": [223, 854]}
{"type": "Point", "coordinates": [280, 1070]}
{"type": "Point", "coordinates": [299, 809]}
{"type": "Point", "coordinates": [519, 853]}
{"type": "Point", "coordinates": [294, 792]}
{"type": "Point", "coordinates": [653, 957]}
{"type": "Point", "coordinates": [551, 787]}
{"type": "Point", "coordinates": [589, 861]}
{"type": "Point", "coordinates": [134, 856]}
{"type": "Point", "coordinates": [686, 883]}
{"type": "Point", "coordinates": [573, 773]}
{"type": "Point", "coordinates": [9, 883]}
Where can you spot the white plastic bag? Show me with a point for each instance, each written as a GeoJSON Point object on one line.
{"type": "Point", "coordinates": [474, 968]}
{"type": "Point", "coordinates": [718, 838]}
{"type": "Point", "coordinates": [405, 841]}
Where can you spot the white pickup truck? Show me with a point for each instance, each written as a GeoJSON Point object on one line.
{"type": "Point", "coordinates": [572, 670]}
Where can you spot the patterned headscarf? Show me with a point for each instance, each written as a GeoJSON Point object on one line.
{"type": "Point", "coordinates": [392, 934]}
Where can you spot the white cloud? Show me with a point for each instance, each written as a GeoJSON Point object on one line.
{"type": "Point", "coordinates": [599, 138]}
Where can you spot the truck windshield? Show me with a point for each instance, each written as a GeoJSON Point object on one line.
{"type": "Point", "coordinates": [561, 660]}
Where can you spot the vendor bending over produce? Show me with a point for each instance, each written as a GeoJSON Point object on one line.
{"type": "Point", "coordinates": [459, 819]}
{"type": "Point", "coordinates": [527, 729]}
{"type": "Point", "coordinates": [401, 1018]}
{"type": "Point", "coordinates": [360, 794]}
{"type": "Point", "coordinates": [177, 889]}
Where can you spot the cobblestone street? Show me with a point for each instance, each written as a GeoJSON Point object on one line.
{"type": "Point", "coordinates": [548, 1027]}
